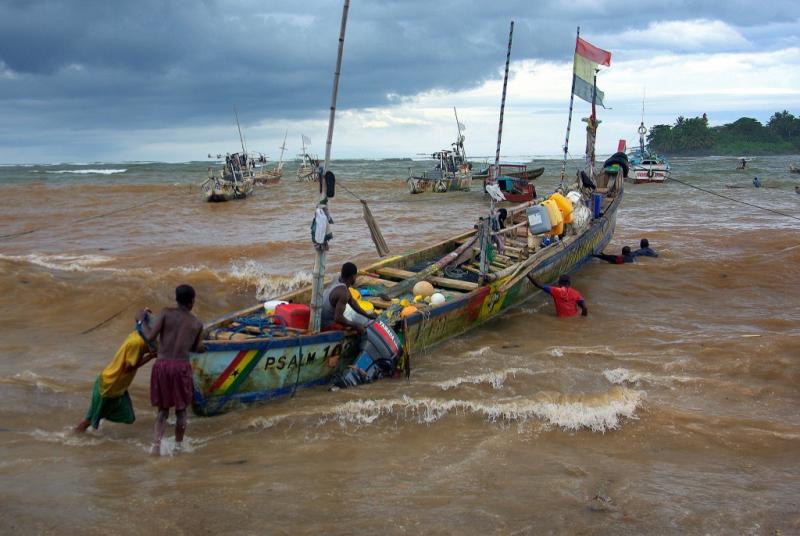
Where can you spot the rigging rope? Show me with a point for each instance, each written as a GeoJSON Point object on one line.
{"type": "Point", "coordinates": [372, 224]}
{"type": "Point", "coordinates": [81, 220]}
{"type": "Point", "coordinates": [735, 200]}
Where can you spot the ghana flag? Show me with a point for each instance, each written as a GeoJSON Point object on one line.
{"type": "Point", "coordinates": [587, 58]}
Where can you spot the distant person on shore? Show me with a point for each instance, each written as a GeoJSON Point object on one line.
{"type": "Point", "coordinates": [624, 258]}
{"type": "Point", "coordinates": [110, 398]}
{"type": "Point", "coordinates": [337, 296]}
{"type": "Point", "coordinates": [171, 384]}
{"type": "Point", "coordinates": [644, 249]}
{"type": "Point", "coordinates": [565, 298]}
{"type": "Point", "coordinates": [756, 182]}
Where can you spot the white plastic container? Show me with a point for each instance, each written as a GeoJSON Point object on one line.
{"type": "Point", "coordinates": [269, 307]}
{"type": "Point", "coordinates": [538, 220]}
{"type": "Point", "coordinates": [575, 198]}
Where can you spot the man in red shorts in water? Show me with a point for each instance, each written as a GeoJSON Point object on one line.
{"type": "Point", "coordinates": [171, 384]}
{"type": "Point", "coordinates": [566, 299]}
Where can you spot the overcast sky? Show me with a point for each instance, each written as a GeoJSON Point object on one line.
{"type": "Point", "coordinates": [157, 79]}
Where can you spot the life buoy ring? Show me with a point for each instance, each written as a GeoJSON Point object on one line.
{"type": "Point", "coordinates": [440, 186]}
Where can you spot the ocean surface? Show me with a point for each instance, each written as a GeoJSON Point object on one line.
{"type": "Point", "coordinates": [672, 409]}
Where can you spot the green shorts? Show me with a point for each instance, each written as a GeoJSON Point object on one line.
{"type": "Point", "coordinates": [118, 409]}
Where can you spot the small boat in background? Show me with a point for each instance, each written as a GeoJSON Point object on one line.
{"type": "Point", "coordinates": [270, 175]}
{"type": "Point", "coordinates": [646, 166]}
{"type": "Point", "coordinates": [308, 163]}
{"type": "Point", "coordinates": [451, 172]}
{"type": "Point", "coordinates": [514, 180]}
{"type": "Point", "coordinates": [234, 181]}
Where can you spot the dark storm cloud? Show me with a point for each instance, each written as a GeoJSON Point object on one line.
{"type": "Point", "coordinates": [158, 64]}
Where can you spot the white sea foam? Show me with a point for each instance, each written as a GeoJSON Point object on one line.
{"type": "Point", "coordinates": [621, 376]}
{"type": "Point", "coordinates": [263, 423]}
{"type": "Point", "coordinates": [269, 285]}
{"type": "Point", "coordinates": [64, 262]}
{"type": "Point", "coordinates": [30, 378]}
{"type": "Point", "coordinates": [479, 352]}
{"type": "Point", "coordinates": [494, 378]}
{"type": "Point", "coordinates": [598, 413]}
{"type": "Point", "coordinates": [87, 171]}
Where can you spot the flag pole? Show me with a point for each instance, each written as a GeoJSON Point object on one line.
{"type": "Point", "coordinates": [319, 263]}
{"type": "Point", "coordinates": [571, 102]}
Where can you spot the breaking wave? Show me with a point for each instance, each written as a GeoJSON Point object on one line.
{"type": "Point", "coordinates": [269, 285]}
{"type": "Point", "coordinates": [599, 412]}
{"type": "Point", "coordinates": [64, 262]}
{"type": "Point", "coordinates": [495, 379]}
{"type": "Point", "coordinates": [28, 378]}
{"type": "Point", "coordinates": [87, 171]}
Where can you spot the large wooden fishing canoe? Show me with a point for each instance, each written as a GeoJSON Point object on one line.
{"type": "Point", "coordinates": [259, 365]}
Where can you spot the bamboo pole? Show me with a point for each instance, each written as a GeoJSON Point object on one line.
{"type": "Point", "coordinates": [319, 263]}
{"type": "Point", "coordinates": [571, 103]}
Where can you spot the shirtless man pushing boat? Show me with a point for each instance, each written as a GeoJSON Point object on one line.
{"type": "Point", "coordinates": [171, 384]}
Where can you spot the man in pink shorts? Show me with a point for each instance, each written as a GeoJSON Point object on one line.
{"type": "Point", "coordinates": [171, 385]}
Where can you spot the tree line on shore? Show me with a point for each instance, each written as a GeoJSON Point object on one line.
{"type": "Point", "coordinates": [693, 136]}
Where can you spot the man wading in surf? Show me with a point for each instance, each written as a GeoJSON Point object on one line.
{"type": "Point", "coordinates": [171, 382]}
{"type": "Point", "coordinates": [566, 299]}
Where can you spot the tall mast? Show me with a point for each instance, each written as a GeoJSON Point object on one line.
{"type": "Point", "coordinates": [283, 148]}
{"type": "Point", "coordinates": [241, 138]}
{"type": "Point", "coordinates": [487, 228]}
{"type": "Point", "coordinates": [459, 142]}
{"type": "Point", "coordinates": [571, 102]}
{"type": "Point", "coordinates": [495, 170]}
{"type": "Point", "coordinates": [319, 264]}
{"type": "Point", "coordinates": [642, 128]}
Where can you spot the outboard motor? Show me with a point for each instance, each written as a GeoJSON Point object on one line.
{"type": "Point", "coordinates": [377, 359]}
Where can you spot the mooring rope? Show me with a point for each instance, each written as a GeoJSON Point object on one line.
{"type": "Point", "coordinates": [89, 218]}
{"type": "Point", "coordinates": [734, 200]}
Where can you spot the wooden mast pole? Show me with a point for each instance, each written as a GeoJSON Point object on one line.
{"type": "Point", "coordinates": [487, 228]}
{"type": "Point", "coordinates": [571, 102]}
{"type": "Point", "coordinates": [319, 263]}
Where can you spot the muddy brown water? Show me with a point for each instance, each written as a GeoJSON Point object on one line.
{"type": "Point", "coordinates": [671, 409]}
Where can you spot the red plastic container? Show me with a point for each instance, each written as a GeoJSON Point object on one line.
{"type": "Point", "coordinates": [296, 315]}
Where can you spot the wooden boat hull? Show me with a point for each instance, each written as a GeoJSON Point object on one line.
{"type": "Point", "coordinates": [649, 174]}
{"type": "Point", "coordinates": [529, 174]}
{"type": "Point", "coordinates": [238, 373]}
{"type": "Point", "coordinates": [231, 374]}
{"type": "Point", "coordinates": [268, 177]}
{"type": "Point", "coordinates": [458, 183]}
{"type": "Point", "coordinates": [220, 191]}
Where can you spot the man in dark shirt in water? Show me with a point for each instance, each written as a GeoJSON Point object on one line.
{"type": "Point", "coordinates": [337, 296]}
{"type": "Point", "coordinates": [645, 250]}
{"type": "Point", "coordinates": [171, 384]}
{"type": "Point", "coordinates": [626, 257]}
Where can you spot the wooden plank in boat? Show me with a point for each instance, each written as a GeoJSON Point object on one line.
{"type": "Point", "coordinates": [439, 281]}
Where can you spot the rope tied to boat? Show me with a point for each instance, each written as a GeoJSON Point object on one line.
{"type": "Point", "coordinates": [372, 224]}
{"type": "Point", "coordinates": [735, 200]}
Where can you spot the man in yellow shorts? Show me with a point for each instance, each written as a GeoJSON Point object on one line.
{"type": "Point", "coordinates": [110, 398]}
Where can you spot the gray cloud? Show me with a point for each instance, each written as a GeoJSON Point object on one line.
{"type": "Point", "coordinates": [154, 64]}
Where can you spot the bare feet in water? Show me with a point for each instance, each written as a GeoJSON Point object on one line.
{"type": "Point", "coordinates": [81, 426]}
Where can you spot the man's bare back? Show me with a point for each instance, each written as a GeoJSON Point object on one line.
{"type": "Point", "coordinates": [181, 332]}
